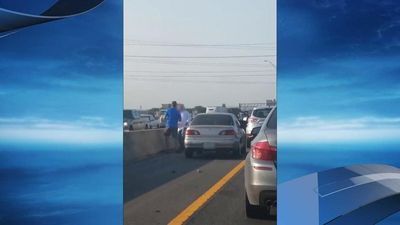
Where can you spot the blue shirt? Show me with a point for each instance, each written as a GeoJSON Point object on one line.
{"type": "Point", "coordinates": [173, 116]}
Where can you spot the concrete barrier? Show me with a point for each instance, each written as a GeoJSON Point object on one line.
{"type": "Point", "coordinates": [141, 144]}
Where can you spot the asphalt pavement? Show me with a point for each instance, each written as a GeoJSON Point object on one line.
{"type": "Point", "coordinates": [159, 188]}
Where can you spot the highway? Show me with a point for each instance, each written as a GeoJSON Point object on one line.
{"type": "Point", "coordinates": [158, 189]}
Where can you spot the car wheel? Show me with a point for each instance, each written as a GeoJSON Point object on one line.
{"type": "Point", "coordinates": [188, 153]}
{"type": "Point", "coordinates": [254, 211]}
{"type": "Point", "coordinates": [146, 127]}
{"type": "Point", "coordinates": [130, 127]}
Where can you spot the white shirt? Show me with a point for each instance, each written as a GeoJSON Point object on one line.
{"type": "Point", "coordinates": [185, 119]}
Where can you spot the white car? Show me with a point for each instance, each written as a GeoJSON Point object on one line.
{"type": "Point", "coordinates": [132, 120]}
{"type": "Point", "coordinates": [149, 121]}
{"type": "Point", "coordinates": [215, 132]}
{"type": "Point", "coordinates": [256, 119]}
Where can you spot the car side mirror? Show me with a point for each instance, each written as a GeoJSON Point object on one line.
{"type": "Point", "coordinates": [255, 131]}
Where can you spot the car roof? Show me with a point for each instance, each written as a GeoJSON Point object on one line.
{"type": "Point", "coordinates": [216, 113]}
{"type": "Point", "coordinates": [264, 107]}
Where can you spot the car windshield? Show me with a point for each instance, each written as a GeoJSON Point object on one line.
{"type": "Point", "coordinates": [261, 113]}
{"type": "Point", "coordinates": [213, 119]}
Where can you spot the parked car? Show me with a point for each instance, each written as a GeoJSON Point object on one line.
{"type": "Point", "coordinates": [260, 169]}
{"type": "Point", "coordinates": [150, 121]}
{"type": "Point", "coordinates": [256, 118]}
{"type": "Point", "coordinates": [215, 132]}
{"type": "Point", "coordinates": [132, 120]}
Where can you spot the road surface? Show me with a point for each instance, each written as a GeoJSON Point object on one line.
{"type": "Point", "coordinates": [158, 189]}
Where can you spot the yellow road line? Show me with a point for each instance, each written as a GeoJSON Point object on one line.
{"type": "Point", "coordinates": [200, 201]}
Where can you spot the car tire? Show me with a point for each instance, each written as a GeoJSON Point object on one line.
{"type": "Point", "coordinates": [131, 128]}
{"type": "Point", "coordinates": [188, 153]}
{"type": "Point", "coordinates": [146, 127]}
{"type": "Point", "coordinates": [254, 211]}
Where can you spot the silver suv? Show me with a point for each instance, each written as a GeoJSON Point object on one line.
{"type": "Point", "coordinates": [260, 169]}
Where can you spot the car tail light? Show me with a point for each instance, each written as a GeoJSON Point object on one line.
{"type": "Point", "coordinates": [227, 132]}
{"type": "Point", "coordinates": [263, 150]}
{"type": "Point", "coordinates": [192, 132]}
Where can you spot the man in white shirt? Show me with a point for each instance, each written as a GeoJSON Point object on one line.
{"type": "Point", "coordinates": [183, 124]}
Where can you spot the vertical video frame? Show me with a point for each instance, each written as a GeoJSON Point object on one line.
{"type": "Point", "coordinates": [199, 112]}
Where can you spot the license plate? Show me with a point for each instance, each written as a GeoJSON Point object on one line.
{"type": "Point", "coordinates": [209, 146]}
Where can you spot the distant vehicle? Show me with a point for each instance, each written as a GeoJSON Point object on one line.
{"type": "Point", "coordinates": [215, 132]}
{"type": "Point", "coordinates": [150, 121]}
{"type": "Point", "coordinates": [213, 109]}
{"type": "Point", "coordinates": [162, 121]}
{"type": "Point", "coordinates": [260, 170]}
{"type": "Point", "coordinates": [256, 118]}
{"type": "Point", "coordinates": [132, 120]}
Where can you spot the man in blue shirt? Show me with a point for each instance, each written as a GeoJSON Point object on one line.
{"type": "Point", "coordinates": [172, 116]}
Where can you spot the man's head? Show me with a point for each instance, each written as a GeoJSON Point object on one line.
{"type": "Point", "coordinates": [174, 104]}
{"type": "Point", "coordinates": [181, 107]}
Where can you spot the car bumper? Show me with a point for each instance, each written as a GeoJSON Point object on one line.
{"type": "Point", "coordinates": [260, 181]}
{"type": "Point", "coordinates": [216, 144]}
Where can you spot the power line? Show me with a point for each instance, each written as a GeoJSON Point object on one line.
{"type": "Point", "coordinates": [196, 71]}
{"type": "Point", "coordinates": [259, 48]}
{"type": "Point", "coordinates": [197, 63]}
{"type": "Point", "coordinates": [198, 57]}
{"type": "Point", "coordinates": [203, 81]}
{"type": "Point", "coordinates": [203, 76]}
{"type": "Point", "coordinates": [154, 43]}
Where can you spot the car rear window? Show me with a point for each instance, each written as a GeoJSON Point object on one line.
{"type": "Point", "coordinates": [261, 113]}
{"type": "Point", "coordinates": [213, 119]}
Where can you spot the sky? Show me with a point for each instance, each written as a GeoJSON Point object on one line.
{"type": "Point", "coordinates": [63, 79]}
{"type": "Point", "coordinates": [199, 28]}
{"type": "Point", "coordinates": [338, 71]}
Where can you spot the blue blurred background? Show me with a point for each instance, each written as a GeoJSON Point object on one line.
{"type": "Point", "coordinates": [60, 118]}
{"type": "Point", "coordinates": [338, 85]}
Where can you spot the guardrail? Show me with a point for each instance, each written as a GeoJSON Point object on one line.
{"type": "Point", "coordinates": [143, 143]}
